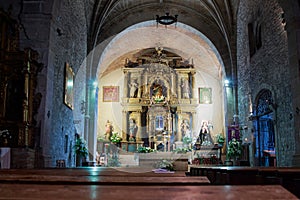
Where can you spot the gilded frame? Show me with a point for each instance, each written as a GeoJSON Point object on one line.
{"type": "Point", "coordinates": [69, 86]}
{"type": "Point", "coordinates": [205, 95]}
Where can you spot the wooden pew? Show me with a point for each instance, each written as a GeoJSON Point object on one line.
{"type": "Point", "coordinates": [96, 176]}
{"type": "Point", "coordinates": [133, 192]}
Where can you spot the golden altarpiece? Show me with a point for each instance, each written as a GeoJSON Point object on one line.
{"type": "Point", "coordinates": [159, 98]}
{"type": "Point", "coordinates": [18, 102]}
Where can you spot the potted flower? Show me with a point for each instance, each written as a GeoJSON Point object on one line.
{"type": "Point", "coordinates": [165, 164]}
{"type": "Point", "coordinates": [81, 150]}
{"type": "Point", "coordinates": [145, 150]}
{"type": "Point", "coordinates": [234, 150]}
{"type": "Point", "coordinates": [116, 139]}
{"type": "Point", "coordinates": [220, 139]}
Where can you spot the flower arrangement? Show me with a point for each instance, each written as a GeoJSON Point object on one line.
{"type": "Point", "coordinates": [234, 148]}
{"type": "Point", "coordinates": [159, 99]}
{"type": "Point", "coordinates": [182, 150]}
{"type": "Point", "coordinates": [165, 164]}
{"type": "Point", "coordinates": [81, 147]}
{"type": "Point", "coordinates": [115, 138]}
{"type": "Point", "coordinates": [220, 138]}
{"type": "Point", "coordinates": [187, 140]}
{"type": "Point", "coordinates": [145, 150]}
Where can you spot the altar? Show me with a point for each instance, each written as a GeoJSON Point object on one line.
{"type": "Point", "coordinates": [159, 100]}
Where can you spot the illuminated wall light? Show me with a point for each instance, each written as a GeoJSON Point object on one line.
{"type": "Point", "coordinates": [95, 84]}
{"type": "Point", "coordinates": [227, 82]}
{"type": "Point", "coordinates": [70, 83]}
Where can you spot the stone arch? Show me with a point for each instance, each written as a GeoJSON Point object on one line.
{"type": "Point", "coordinates": [265, 129]}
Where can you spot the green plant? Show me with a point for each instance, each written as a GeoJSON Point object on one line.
{"type": "Point", "coordinates": [187, 140]}
{"type": "Point", "coordinates": [182, 150]}
{"type": "Point", "coordinates": [81, 147]}
{"type": "Point", "coordinates": [234, 149]}
{"type": "Point", "coordinates": [165, 164]}
{"type": "Point", "coordinates": [115, 138]}
{"type": "Point", "coordinates": [145, 150]}
{"type": "Point", "coordinates": [220, 138]}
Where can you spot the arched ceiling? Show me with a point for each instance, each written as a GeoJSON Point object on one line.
{"type": "Point", "coordinates": [182, 40]}
{"type": "Point", "coordinates": [216, 19]}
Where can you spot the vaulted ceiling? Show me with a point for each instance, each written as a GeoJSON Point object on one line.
{"type": "Point", "coordinates": [215, 20]}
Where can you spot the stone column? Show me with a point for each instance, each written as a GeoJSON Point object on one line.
{"type": "Point", "coordinates": [90, 123]}
{"type": "Point", "coordinates": [145, 86]}
{"type": "Point", "coordinates": [179, 133]}
{"type": "Point", "coordinates": [139, 124]}
{"type": "Point", "coordinates": [25, 101]}
{"type": "Point", "coordinates": [139, 81]}
{"type": "Point", "coordinates": [179, 87]}
{"type": "Point", "coordinates": [124, 125]}
{"type": "Point", "coordinates": [173, 84]}
{"type": "Point", "coordinates": [169, 130]}
{"type": "Point", "coordinates": [194, 88]}
{"type": "Point", "coordinates": [125, 92]}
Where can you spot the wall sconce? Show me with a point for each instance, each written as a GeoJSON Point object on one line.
{"type": "Point", "coordinates": [82, 107]}
{"type": "Point", "coordinates": [166, 20]}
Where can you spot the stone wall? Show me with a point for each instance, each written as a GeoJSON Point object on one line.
{"type": "Point", "coordinates": [67, 44]}
{"type": "Point", "coordinates": [58, 31]}
{"type": "Point", "coordinates": [268, 69]}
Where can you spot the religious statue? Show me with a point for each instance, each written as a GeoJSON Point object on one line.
{"type": "Point", "coordinates": [185, 88]}
{"type": "Point", "coordinates": [185, 128]}
{"type": "Point", "coordinates": [108, 130]}
{"type": "Point", "coordinates": [133, 89]}
{"type": "Point", "coordinates": [157, 93]}
{"type": "Point", "coordinates": [204, 135]}
{"type": "Point", "coordinates": [132, 129]}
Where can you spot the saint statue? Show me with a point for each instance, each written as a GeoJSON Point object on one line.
{"type": "Point", "coordinates": [185, 88]}
{"type": "Point", "coordinates": [133, 89]}
{"type": "Point", "coordinates": [132, 129]}
{"type": "Point", "coordinates": [108, 130]}
{"type": "Point", "coordinates": [204, 135]}
{"type": "Point", "coordinates": [185, 128]}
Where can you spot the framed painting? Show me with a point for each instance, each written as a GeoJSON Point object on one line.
{"type": "Point", "coordinates": [205, 95]}
{"type": "Point", "coordinates": [110, 93]}
{"type": "Point", "coordinates": [69, 84]}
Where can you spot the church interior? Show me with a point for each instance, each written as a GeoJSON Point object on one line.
{"type": "Point", "coordinates": [104, 88]}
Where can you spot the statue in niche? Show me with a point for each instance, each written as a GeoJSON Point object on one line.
{"type": "Point", "coordinates": [133, 128]}
{"type": "Point", "coordinates": [133, 89]}
{"type": "Point", "coordinates": [185, 88]}
{"type": "Point", "coordinates": [157, 90]}
{"type": "Point", "coordinates": [204, 135]}
{"type": "Point", "coordinates": [185, 128]}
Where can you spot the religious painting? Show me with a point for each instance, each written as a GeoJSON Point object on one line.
{"type": "Point", "coordinates": [205, 96]}
{"type": "Point", "coordinates": [69, 90]}
{"type": "Point", "coordinates": [110, 93]}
